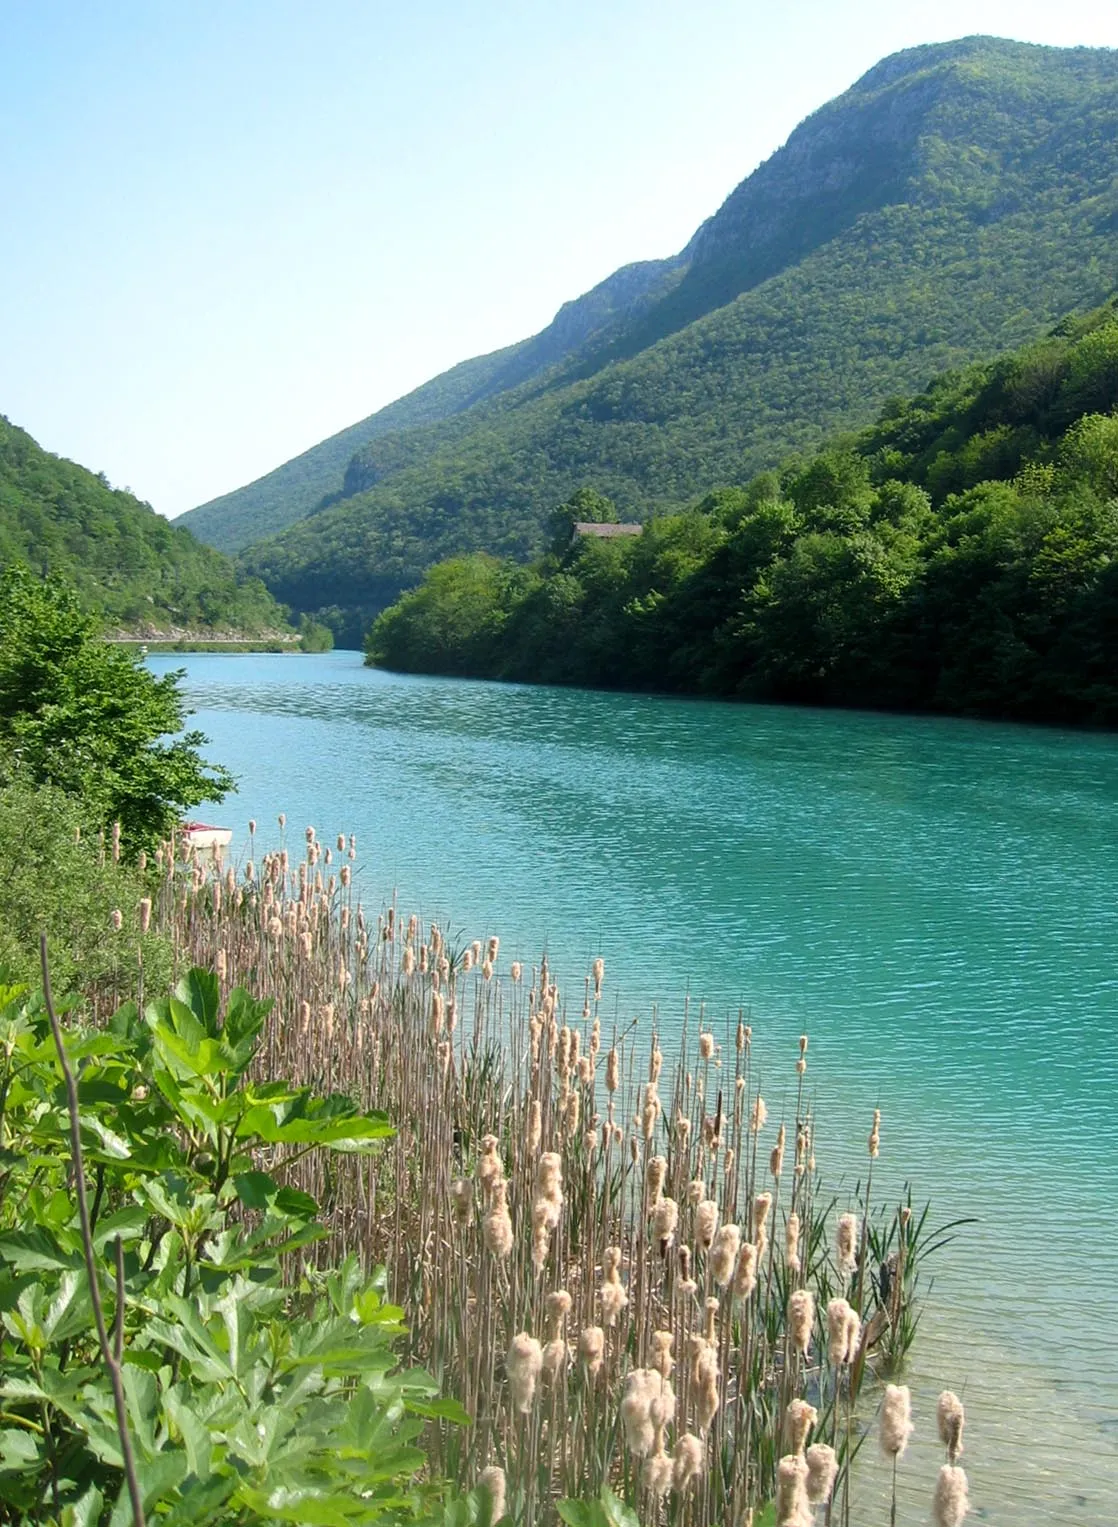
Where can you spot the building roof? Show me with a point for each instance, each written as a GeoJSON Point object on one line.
{"type": "Point", "coordinates": [592, 528]}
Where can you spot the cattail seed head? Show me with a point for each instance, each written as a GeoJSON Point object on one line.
{"type": "Point", "coordinates": [711, 1329]}
{"type": "Point", "coordinates": [598, 970]}
{"type": "Point", "coordinates": [116, 918]}
{"type": "Point", "coordinates": [706, 1046]}
{"type": "Point", "coordinates": [558, 1307]}
{"type": "Point", "coordinates": [612, 1292]}
{"type": "Point", "coordinates": [555, 1358]}
{"type": "Point", "coordinates": [762, 1203]}
{"type": "Point", "coordinates": [591, 1346]}
{"type": "Point", "coordinates": [523, 1366]}
{"type": "Point", "coordinates": [896, 1420]}
{"type": "Point", "coordinates": [792, 1242]}
{"type": "Point", "coordinates": [490, 1168]}
{"type": "Point", "coordinates": [745, 1274]}
{"type": "Point", "coordinates": [724, 1254]}
{"type": "Point", "coordinates": [706, 1222]}
{"type": "Point", "coordinates": [656, 1474]}
{"type": "Point", "coordinates": [492, 1483]}
{"type": "Point", "coordinates": [496, 1225]}
{"type": "Point", "coordinates": [839, 1329]}
{"type": "Point", "coordinates": [687, 1461]}
{"type": "Point", "coordinates": [613, 1070]}
{"type": "Point", "coordinates": [655, 1172]}
{"type": "Point", "coordinates": [758, 1114]}
{"type": "Point", "coordinates": [799, 1419]}
{"type": "Point", "coordinates": [951, 1502]}
{"type": "Point", "coordinates": [822, 1468]}
{"type": "Point", "coordinates": [636, 1406]}
{"type": "Point", "coordinates": [665, 1218]}
{"type": "Point", "coordinates": [846, 1244]}
{"type": "Point", "coordinates": [535, 1125]}
{"type": "Point", "coordinates": [776, 1156]}
{"type": "Point", "coordinates": [875, 1134]}
{"type": "Point", "coordinates": [662, 1353]}
{"type": "Point", "coordinates": [801, 1318]}
{"type": "Point", "coordinates": [950, 1419]}
{"type": "Point", "coordinates": [792, 1509]}
{"type": "Point", "coordinates": [705, 1385]}
{"type": "Point", "coordinates": [145, 913]}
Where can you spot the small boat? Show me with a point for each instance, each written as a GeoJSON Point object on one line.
{"type": "Point", "coordinates": [202, 836]}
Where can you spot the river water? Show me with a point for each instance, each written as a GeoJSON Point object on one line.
{"type": "Point", "coordinates": [932, 901]}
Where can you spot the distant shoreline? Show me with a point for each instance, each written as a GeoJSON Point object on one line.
{"type": "Point", "coordinates": [209, 644]}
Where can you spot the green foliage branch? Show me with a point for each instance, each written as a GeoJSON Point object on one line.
{"type": "Point", "coordinates": [245, 1400]}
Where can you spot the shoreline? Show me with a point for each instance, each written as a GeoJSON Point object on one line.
{"type": "Point", "coordinates": [202, 644]}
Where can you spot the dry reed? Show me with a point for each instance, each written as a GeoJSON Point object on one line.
{"type": "Point", "coordinates": [586, 1254]}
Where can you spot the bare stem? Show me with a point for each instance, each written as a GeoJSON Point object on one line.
{"type": "Point", "coordinates": [111, 1359]}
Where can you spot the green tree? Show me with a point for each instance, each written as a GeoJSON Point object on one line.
{"type": "Point", "coordinates": [87, 717]}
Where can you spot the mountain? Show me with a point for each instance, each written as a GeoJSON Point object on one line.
{"type": "Point", "coordinates": [953, 203]}
{"type": "Point", "coordinates": [959, 555]}
{"type": "Point", "coordinates": [302, 485]}
{"type": "Point", "coordinates": [126, 561]}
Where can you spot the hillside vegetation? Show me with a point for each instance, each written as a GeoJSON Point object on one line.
{"type": "Point", "coordinates": [956, 201]}
{"type": "Point", "coordinates": [125, 561]}
{"type": "Point", "coordinates": [959, 555]}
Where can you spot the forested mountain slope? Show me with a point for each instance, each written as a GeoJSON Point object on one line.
{"type": "Point", "coordinates": [959, 555]}
{"type": "Point", "coordinates": [956, 201]}
{"type": "Point", "coordinates": [125, 560]}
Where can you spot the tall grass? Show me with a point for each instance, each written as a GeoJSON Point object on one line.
{"type": "Point", "coordinates": [624, 1268]}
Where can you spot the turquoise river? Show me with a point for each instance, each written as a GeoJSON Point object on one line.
{"type": "Point", "coordinates": [932, 901]}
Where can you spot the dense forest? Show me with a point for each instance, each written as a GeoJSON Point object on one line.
{"type": "Point", "coordinates": [956, 201]}
{"type": "Point", "coordinates": [124, 560]}
{"type": "Point", "coordinates": [960, 555]}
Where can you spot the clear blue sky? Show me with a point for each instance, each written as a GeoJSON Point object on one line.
{"type": "Point", "coordinates": [232, 227]}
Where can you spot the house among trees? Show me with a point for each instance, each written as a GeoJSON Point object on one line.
{"type": "Point", "coordinates": [593, 528]}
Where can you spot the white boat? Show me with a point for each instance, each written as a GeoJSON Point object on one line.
{"type": "Point", "coordinates": [204, 838]}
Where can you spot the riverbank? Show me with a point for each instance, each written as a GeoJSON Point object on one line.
{"type": "Point", "coordinates": [208, 644]}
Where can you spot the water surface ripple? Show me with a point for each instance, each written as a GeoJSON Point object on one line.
{"type": "Point", "coordinates": [933, 901]}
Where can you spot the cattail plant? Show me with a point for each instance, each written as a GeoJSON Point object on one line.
{"type": "Point", "coordinates": [529, 1212]}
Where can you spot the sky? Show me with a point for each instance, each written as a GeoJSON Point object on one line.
{"type": "Point", "coordinates": [233, 227]}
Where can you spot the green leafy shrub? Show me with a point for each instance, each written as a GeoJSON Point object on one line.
{"type": "Point", "coordinates": [248, 1399]}
{"type": "Point", "coordinates": [56, 877]}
